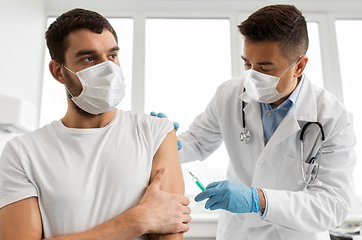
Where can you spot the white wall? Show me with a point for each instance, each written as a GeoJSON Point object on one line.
{"type": "Point", "coordinates": [22, 24]}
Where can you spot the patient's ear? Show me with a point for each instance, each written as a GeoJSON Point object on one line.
{"type": "Point", "coordinates": [56, 70]}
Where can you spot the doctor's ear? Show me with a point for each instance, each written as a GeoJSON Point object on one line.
{"type": "Point", "coordinates": [56, 70]}
{"type": "Point", "coordinates": [300, 66]}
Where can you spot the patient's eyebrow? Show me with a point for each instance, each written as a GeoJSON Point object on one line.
{"type": "Point", "coordinates": [116, 48]}
{"type": "Point", "coordinates": [84, 52]}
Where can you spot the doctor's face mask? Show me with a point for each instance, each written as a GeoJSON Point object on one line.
{"type": "Point", "coordinates": [263, 87]}
{"type": "Point", "coordinates": [103, 87]}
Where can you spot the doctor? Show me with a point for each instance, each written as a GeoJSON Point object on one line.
{"type": "Point", "coordinates": [263, 196]}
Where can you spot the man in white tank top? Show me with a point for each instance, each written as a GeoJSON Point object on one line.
{"type": "Point", "coordinates": [99, 172]}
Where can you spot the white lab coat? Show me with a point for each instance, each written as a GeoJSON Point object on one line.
{"type": "Point", "coordinates": [292, 213]}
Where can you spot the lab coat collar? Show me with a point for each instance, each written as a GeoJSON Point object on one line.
{"type": "Point", "coordinates": [304, 110]}
{"type": "Point", "coordinates": [245, 97]}
{"type": "Point", "coordinates": [306, 105]}
{"type": "Point", "coordinates": [253, 115]}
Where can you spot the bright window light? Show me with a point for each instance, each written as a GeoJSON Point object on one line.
{"type": "Point", "coordinates": [314, 66]}
{"type": "Point", "coordinates": [54, 102]}
{"type": "Point", "coordinates": [186, 60]}
{"type": "Point", "coordinates": [349, 50]}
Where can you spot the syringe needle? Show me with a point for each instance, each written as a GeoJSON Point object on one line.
{"type": "Point", "coordinates": [196, 180]}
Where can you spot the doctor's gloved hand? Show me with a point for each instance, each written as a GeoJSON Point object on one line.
{"type": "Point", "coordinates": [230, 196]}
{"type": "Point", "coordinates": [175, 126]}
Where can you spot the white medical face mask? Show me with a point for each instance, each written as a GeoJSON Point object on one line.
{"type": "Point", "coordinates": [262, 87]}
{"type": "Point", "coordinates": [103, 87]}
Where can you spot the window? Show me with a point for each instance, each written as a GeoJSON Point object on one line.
{"type": "Point", "coordinates": [314, 66]}
{"type": "Point", "coordinates": [349, 51]}
{"type": "Point", "coordinates": [186, 60]}
{"type": "Point", "coordinates": [54, 103]}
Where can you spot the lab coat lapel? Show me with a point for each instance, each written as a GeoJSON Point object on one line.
{"type": "Point", "coordinates": [305, 110]}
{"type": "Point", "coordinates": [287, 127]}
{"type": "Point", "coordinates": [306, 105]}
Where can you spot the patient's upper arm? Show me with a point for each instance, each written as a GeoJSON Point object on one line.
{"type": "Point", "coordinates": [21, 220]}
{"type": "Point", "coordinates": [167, 157]}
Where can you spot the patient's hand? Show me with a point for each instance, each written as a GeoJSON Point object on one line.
{"type": "Point", "coordinates": [165, 212]}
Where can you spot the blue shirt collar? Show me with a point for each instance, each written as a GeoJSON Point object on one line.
{"type": "Point", "coordinates": [288, 103]}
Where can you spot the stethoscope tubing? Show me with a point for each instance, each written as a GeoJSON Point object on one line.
{"type": "Point", "coordinates": [245, 134]}
{"type": "Point", "coordinates": [313, 168]}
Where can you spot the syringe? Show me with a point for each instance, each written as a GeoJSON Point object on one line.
{"type": "Point", "coordinates": [198, 183]}
{"type": "Point", "coordinates": [195, 180]}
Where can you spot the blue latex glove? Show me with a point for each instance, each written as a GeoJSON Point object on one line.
{"type": "Point", "coordinates": [175, 126]}
{"type": "Point", "coordinates": [230, 196]}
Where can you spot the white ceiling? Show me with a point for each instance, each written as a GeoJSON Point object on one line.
{"type": "Point", "coordinates": [115, 6]}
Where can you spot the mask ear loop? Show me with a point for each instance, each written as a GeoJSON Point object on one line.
{"type": "Point", "coordinates": [69, 92]}
{"type": "Point", "coordinates": [285, 72]}
{"type": "Point", "coordinates": [290, 67]}
{"type": "Point", "coordinates": [74, 72]}
{"type": "Point", "coordinates": [65, 84]}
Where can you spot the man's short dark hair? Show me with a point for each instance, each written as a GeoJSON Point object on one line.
{"type": "Point", "coordinates": [58, 31]}
{"type": "Point", "coordinates": [278, 23]}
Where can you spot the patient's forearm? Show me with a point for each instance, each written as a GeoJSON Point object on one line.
{"type": "Point", "coordinates": [126, 226]}
{"type": "Point", "coordinates": [175, 236]}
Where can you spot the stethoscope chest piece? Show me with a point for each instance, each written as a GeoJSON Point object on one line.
{"type": "Point", "coordinates": [245, 136]}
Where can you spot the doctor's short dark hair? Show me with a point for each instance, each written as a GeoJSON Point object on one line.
{"type": "Point", "coordinates": [58, 31]}
{"type": "Point", "coordinates": [278, 23]}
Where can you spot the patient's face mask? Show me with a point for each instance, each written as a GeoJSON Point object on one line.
{"type": "Point", "coordinates": [262, 87]}
{"type": "Point", "coordinates": [103, 87]}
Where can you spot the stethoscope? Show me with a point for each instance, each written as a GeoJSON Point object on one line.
{"type": "Point", "coordinates": [310, 176]}
{"type": "Point", "coordinates": [245, 134]}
